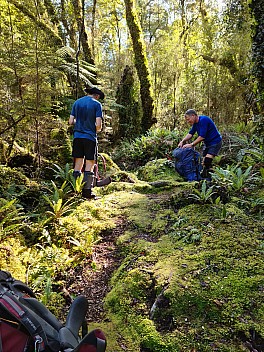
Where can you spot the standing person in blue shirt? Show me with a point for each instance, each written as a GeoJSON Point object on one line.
{"type": "Point", "coordinates": [86, 116]}
{"type": "Point", "coordinates": [207, 133]}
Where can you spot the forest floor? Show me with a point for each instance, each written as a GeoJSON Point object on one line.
{"type": "Point", "coordinates": [106, 258]}
{"type": "Point", "coordinates": [95, 284]}
{"type": "Point", "coordinates": [155, 249]}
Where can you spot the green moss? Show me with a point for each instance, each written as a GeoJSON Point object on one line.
{"type": "Point", "coordinates": [213, 284]}
{"type": "Point", "coordinates": [9, 176]}
{"type": "Point", "coordinates": [106, 165]}
{"type": "Point", "coordinates": [201, 264]}
{"type": "Point", "coordinates": [160, 169]}
{"type": "Point", "coordinates": [14, 257]}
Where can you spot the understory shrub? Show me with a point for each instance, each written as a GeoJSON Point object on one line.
{"type": "Point", "coordinates": [156, 144]}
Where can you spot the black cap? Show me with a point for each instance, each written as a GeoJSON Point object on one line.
{"type": "Point", "coordinates": [94, 90]}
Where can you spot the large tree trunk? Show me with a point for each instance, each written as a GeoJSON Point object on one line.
{"type": "Point", "coordinates": [141, 64]}
{"type": "Point", "coordinates": [129, 114]}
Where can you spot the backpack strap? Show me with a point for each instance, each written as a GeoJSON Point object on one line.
{"type": "Point", "coordinates": [101, 344]}
{"type": "Point", "coordinates": [16, 309]}
{"type": "Point", "coordinates": [1, 346]}
{"type": "Point", "coordinates": [17, 286]}
{"type": "Point", "coordinates": [94, 341]}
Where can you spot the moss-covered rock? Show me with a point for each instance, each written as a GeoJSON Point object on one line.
{"type": "Point", "coordinates": [159, 169]}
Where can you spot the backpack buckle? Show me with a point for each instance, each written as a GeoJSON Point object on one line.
{"type": "Point", "coordinates": [38, 342]}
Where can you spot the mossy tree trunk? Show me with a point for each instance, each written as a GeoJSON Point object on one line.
{"type": "Point", "coordinates": [257, 7]}
{"type": "Point", "coordinates": [129, 115]}
{"type": "Point", "coordinates": [141, 64]}
{"type": "Point", "coordinates": [68, 26]}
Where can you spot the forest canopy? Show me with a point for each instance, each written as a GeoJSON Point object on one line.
{"type": "Point", "coordinates": [179, 54]}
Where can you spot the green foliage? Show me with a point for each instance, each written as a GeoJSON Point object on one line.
{"type": "Point", "coordinates": [251, 156]}
{"type": "Point", "coordinates": [59, 207]}
{"type": "Point", "coordinates": [67, 64]}
{"type": "Point", "coordinates": [234, 178]}
{"type": "Point", "coordinates": [203, 195]}
{"type": "Point", "coordinates": [65, 176]}
{"type": "Point", "coordinates": [54, 301]}
{"type": "Point", "coordinates": [46, 263]}
{"type": "Point", "coordinates": [11, 218]}
{"type": "Point", "coordinates": [14, 256]}
{"type": "Point", "coordinates": [156, 144]}
{"type": "Point", "coordinates": [60, 173]}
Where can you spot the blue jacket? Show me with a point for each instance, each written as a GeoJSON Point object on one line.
{"type": "Point", "coordinates": [206, 128]}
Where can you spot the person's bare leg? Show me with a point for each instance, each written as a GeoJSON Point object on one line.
{"type": "Point", "coordinates": [78, 164]}
{"type": "Point", "coordinates": [89, 165]}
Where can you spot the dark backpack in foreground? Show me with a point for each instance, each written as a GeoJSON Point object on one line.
{"type": "Point", "coordinates": [26, 325]}
{"type": "Point", "coordinates": [188, 163]}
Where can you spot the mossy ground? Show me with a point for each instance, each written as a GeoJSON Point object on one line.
{"type": "Point", "coordinates": [200, 269]}
{"type": "Point", "coordinates": [191, 277]}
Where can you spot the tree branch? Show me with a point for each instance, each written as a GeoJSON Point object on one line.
{"type": "Point", "coordinates": [40, 23]}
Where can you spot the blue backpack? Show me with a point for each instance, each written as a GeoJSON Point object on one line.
{"type": "Point", "coordinates": [188, 163]}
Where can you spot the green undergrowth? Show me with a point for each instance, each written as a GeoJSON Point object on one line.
{"type": "Point", "coordinates": [158, 169]}
{"type": "Point", "coordinates": [192, 279]}
{"type": "Point", "coordinates": [206, 272]}
{"type": "Point", "coordinates": [191, 275]}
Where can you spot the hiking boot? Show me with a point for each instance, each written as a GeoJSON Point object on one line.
{"type": "Point", "coordinates": [87, 194]}
{"type": "Point", "coordinates": [204, 173]}
{"type": "Point", "coordinates": [89, 182]}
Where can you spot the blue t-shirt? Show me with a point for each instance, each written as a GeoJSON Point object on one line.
{"type": "Point", "coordinates": [206, 128]}
{"type": "Point", "coordinates": [86, 110]}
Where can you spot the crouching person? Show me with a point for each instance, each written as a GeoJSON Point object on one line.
{"type": "Point", "coordinates": [207, 133]}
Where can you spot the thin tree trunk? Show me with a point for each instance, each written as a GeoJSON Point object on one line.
{"type": "Point", "coordinates": [68, 28]}
{"type": "Point", "coordinates": [257, 7]}
{"type": "Point", "coordinates": [141, 64]}
{"type": "Point", "coordinates": [93, 25]}
{"type": "Point", "coordinates": [14, 123]}
{"type": "Point", "coordinates": [37, 124]}
{"type": "Point", "coordinates": [79, 16]}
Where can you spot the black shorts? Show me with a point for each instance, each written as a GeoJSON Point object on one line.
{"type": "Point", "coordinates": [213, 149]}
{"type": "Point", "coordinates": [83, 147]}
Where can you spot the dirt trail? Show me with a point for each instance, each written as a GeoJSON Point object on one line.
{"type": "Point", "coordinates": [94, 284]}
